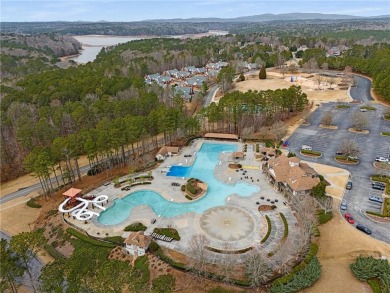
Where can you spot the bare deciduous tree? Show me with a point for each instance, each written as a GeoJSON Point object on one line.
{"type": "Point", "coordinates": [198, 253]}
{"type": "Point", "coordinates": [256, 268]}
{"type": "Point", "coordinates": [306, 211]}
{"type": "Point", "coordinates": [325, 66]}
{"type": "Point", "coordinates": [359, 121]}
{"type": "Point", "coordinates": [327, 119]}
{"type": "Point", "coordinates": [349, 148]}
{"type": "Point", "coordinates": [226, 266]}
{"type": "Point", "coordinates": [319, 79]}
{"type": "Point", "coordinates": [279, 130]}
{"type": "Point", "coordinates": [293, 67]}
{"type": "Point", "coordinates": [331, 80]}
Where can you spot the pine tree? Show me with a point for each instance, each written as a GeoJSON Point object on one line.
{"type": "Point", "coordinates": [262, 73]}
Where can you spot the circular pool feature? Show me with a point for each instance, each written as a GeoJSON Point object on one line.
{"type": "Point", "coordinates": [227, 223]}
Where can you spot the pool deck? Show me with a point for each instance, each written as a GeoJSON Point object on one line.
{"type": "Point", "coordinates": [188, 224]}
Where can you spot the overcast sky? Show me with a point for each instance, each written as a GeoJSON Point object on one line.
{"type": "Point", "coordinates": [130, 10]}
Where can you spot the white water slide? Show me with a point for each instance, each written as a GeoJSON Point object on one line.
{"type": "Point", "coordinates": [81, 211]}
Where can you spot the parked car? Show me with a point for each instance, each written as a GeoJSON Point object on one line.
{"type": "Point", "coordinates": [353, 157]}
{"type": "Point", "coordinates": [381, 159]}
{"type": "Point", "coordinates": [343, 205]}
{"type": "Point", "coordinates": [363, 228]}
{"type": "Point", "coordinates": [378, 186]}
{"type": "Point", "coordinates": [363, 110]}
{"type": "Point", "coordinates": [375, 198]}
{"type": "Point", "coordinates": [349, 218]}
{"type": "Point", "coordinates": [339, 153]}
{"type": "Point", "coordinates": [349, 185]}
{"type": "Point", "coordinates": [306, 148]}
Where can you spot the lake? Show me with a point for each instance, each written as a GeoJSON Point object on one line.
{"type": "Point", "coordinates": [92, 44]}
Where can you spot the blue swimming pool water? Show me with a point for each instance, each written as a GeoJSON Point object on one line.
{"type": "Point", "coordinates": [179, 171]}
{"type": "Point", "coordinates": [203, 169]}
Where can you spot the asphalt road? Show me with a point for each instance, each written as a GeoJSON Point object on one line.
{"type": "Point", "coordinates": [35, 264]}
{"type": "Point", "coordinates": [210, 94]}
{"type": "Point", "coordinates": [327, 141]}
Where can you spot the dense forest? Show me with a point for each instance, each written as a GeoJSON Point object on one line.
{"type": "Point", "coordinates": [25, 54]}
{"type": "Point", "coordinates": [103, 107]}
{"type": "Point", "coordinates": [337, 28]}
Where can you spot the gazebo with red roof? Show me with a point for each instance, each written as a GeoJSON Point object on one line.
{"type": "Point", "coordinates": [72, 193]}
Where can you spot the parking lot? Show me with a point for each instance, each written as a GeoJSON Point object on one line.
{"type": "Point", "coordinates": [327, 141]}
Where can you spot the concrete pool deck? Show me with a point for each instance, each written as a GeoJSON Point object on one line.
{"type": "Point", "coordinates": [190, 224]}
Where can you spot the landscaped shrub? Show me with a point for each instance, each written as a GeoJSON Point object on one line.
{"type": "Point", "coordinates": [301, 279]}
{"type": "Point", "coordinates": [346, 159]}
{"type": "Point", "coordinates": [188, 197]}
{"type": "Point", "coordinates": [85, 238]}
{"type": "Point", "coordinates": [32, 204]}
{"type": "Point", "coordinates": [169, 232]}
{"type": "Point", "coordinates": [154, 247]}
{"type": "Point", "coordinates": [374, 284]}
{"type": "Point", "coordinates": [343, 106]}
{"type": "Point", "coordinates": [53, 252]}
{"type": "Point", "coordinates": [380, 178]}
{"type": "Point", "coordinates": [136, 227]}
{"type": "Point", "coordinates": [285, 232]}
{"type": "Point", "coordinates": [324, 217]}
{"type": "Point", "coordinates": [183, 188]}
{"type": "Point", "coordinates": [365, 268]}
{"type": "Point", "coordinates": [191, 188]}
{"type": "Point", "coordinates": [385, 133]}
{"type": "Point", "coordinates": [268, 231]}
{"type": "Point", "coordinates": [368, 108]}
{"type": "Point", "coordinates": [312, 252]}
{"type": "Point", "coordinates": [307, 152]}
{"type": "Point", "coordinates": [163, 284]}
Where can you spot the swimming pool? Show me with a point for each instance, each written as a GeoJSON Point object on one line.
{"type": "Point", "coordinates": [203, 169]}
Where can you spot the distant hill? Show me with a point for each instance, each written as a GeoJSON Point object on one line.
{"type": "Point", "coordinates": [264, 17]}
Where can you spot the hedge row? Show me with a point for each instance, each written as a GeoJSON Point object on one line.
{"type": "Point", "coordinates": [315, 153]}
{"type": "Point", "coordinates": [188, 197]}
{"type": "Point", "coordinates": [32, 204]}
{"type": "Point", "coordinates": [312, 252]}
{"type": "Point", "coordinates": [136, 227]}
{"type": "Point", "coordinates": [302, 279]}
{"type": "Point", "coordinates": [374, 284]}
{"type": "Point", "coordinates": [85, 238]}
{"type": "Point", "coordinates": [190, 188]}
{"type": "Point", "coordinates": [269, 230]}
{"type": "Point", "coordinates": [376, 214]}
{"type": "Point", "coordinates": [53, 252]}
{"type": "Point", "coordinates": [290, 276]}
{"type": "Point", "coordinates": [285, 232]}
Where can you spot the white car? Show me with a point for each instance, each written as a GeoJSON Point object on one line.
{"type": "Point", "coordinates": [381, 159]}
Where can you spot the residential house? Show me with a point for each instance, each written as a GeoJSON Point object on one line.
{"type": "Point", "coordinates": [164, 79]}
{"type": "Point", "coordinates": [185, 92]}
{"type": "Point", "coordinates": [302, 48]}
{"type": "Point", "coordinates": [182, 74]}
{"type": "Point", "coordinates": [167, 151]}
{"type": "Point", "coordinates": [291, 176]}
{"type": "Point", "coordinates": [137, 243]}
{"type": "Point", "coordinates": [195, 81]}
{"type": "Point", "coordinates": [171, 72]}
{"type": "Point", "coordinates": [267, 152]}
{"type": "Point", "coordinates": [200, 70]}
{"type": "Point", "coordinates": [211, 73]}
{"type": "Point", "coordinates": [222, 64]}
{"type": "Point", "coordinates": [152, 77]}
{"type": "Point", "coordinates": [191, 69]}
{"type": "Point", "coordinates": [334, 52]}
{"type": "Point", "coordinates": [213, 66]}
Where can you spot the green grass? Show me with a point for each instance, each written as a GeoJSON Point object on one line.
{"type": "Point", "coordinates": [32, 204]}
{"type": "Point", "coordinates": [376, 214]}
{"type": "Point", "coordinates": [136, 227]}
{"type": "Point", "coordinates": [386, 116]}
{"type": "Point", "coordinates": [380, 178]}
{"type": "Point", "coordinates": [346, 159]}
{"type": "Point", "coordinates": [169, 232]}
{"type": "Point", "coordinates": [386, 133]}
{"type": "Point", "coordinates": [343, 106]}
{"type": "Point", "coordinates": [87, 239]}
{"type": "Point", "coordinates": [368, 108]}
{"type": "Point", "coordinates": [307, 152]}
{"type": "Point", "coordinates": [268, 231]}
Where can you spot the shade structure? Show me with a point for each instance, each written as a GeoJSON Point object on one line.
{"type": "Point", "coordinates": [73, 192]}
